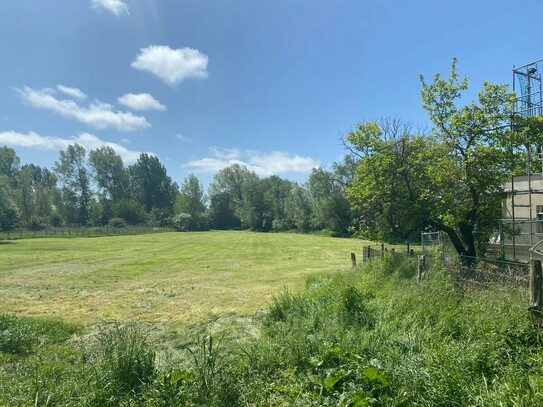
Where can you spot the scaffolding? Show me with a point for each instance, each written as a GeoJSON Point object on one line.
{"type": "Point", "coordinates": [524, 224]}
{"type": "Point", "coordinates": [521, 230]}
{"type": "Point", "coordinates": [527, 83]}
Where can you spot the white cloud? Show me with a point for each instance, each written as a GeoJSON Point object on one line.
{"type": "Point", "coordinates": [141, 101]}
{"type": "Point", "coordinates": [183, 138]}
{"type": "Point", "coordinates": [87, 140]}
{"type": "Point", "coordinates": [172, 65]}
{"type": "Point", "coordinates": [98, 115]}
{"type": "Point", "coordinates": [116, 7]}
{"type": "Point", "coordinates": [73, 92]}
{"type": "Point", "coordinates": [264, 164]}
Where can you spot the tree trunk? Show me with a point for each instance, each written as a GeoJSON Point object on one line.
{"type": "Point", "coordinates": [464, 244]}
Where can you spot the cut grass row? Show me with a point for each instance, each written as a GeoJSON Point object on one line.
{"type": "Point", "coordinates": [163, 277]}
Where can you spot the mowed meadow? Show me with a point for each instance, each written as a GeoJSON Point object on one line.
{"type": "Point", "coordinates": [247, 319]}
{"type": "Point", "coordinates": [161, 277]}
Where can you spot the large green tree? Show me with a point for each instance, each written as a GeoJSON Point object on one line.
{"type": "Point", "coordinates": [392, 190]}
{"type": "Point", "coordinates": [9, 164]}
{"type": "Point", "coordinates": [151, 185]}
{"type": "Point", "coordinates": [9, 213]}
{"type": "Point", "coordinates": [469, 177]}
{"type": "Point", "coordinates": [109, 173]}
{"type": "Point", "coordinates": [228, 184]}
{"type": "Point", "coordinates": [328, 191]}
{"type": "Point", "coordinates": [74, 177]}
{"type": "Point", "coordinates": [298, 208]}
{"type": "Point", "coordinates": [451, 181]}
{"type": "Point", "coordinates": [191, 200]}
{"type": "Point", "coordinates": [256, 212]}
{"type": "Point", "coordinates": [35, 193]}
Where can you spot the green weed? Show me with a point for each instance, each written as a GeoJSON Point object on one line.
{"type": "Point", "coordinates": [16, 335]}
{"type": "Point", "coordinates": [123, 362]}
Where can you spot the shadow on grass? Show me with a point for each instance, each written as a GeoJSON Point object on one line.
{"type": "Point", "coordinates": [6, 242]}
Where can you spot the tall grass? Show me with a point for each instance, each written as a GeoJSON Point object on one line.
{"type": "Point", "coordinates": [122, 363]}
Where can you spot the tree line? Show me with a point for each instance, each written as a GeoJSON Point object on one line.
{"type": "Point", "coordinates": [395, 180]}
{"type": "Point", "coordinates": [96, 188]}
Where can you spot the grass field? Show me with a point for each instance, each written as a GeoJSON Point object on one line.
{"type": "Point", "coordinates": [163, 277]}
{"type": "Point", "coordinates": [191, 334]}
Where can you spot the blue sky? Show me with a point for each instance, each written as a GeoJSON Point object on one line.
{"type": "Point", "coordinates": [270, 84]}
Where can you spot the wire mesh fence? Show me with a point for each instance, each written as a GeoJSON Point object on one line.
{"type": "Point", "coordinates": [489, 273]}
{"type": "Point", "coordinates": [513, 282]}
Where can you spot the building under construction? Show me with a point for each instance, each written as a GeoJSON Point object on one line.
{"type": "Point", "coordinates": [521, 229]}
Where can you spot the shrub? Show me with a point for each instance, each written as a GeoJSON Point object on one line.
{"type": "Point", "coordinates": [117, 223]}
{"type": "Point", "coordinates": [16, 335]}
{"type": "Point", "coordinates": [56, 220]}
{"type": "Point", "coordinates": [182, 222]}
{"type": "Point", "coordinates": [37, 223]}
{"type": "Point", "coordinates": [123, 362]}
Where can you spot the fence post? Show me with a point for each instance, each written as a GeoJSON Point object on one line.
{"type": "Point", "coordinates": [421, 267]}
{"type": "Point", "coordinates": [353, 259]}
{"type": "Point", "coordinates": [366, 254]}
{"type": "Point", "coordinates": [536, 284]}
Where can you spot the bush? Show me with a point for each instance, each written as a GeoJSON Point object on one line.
{"type": "Point", "coordinates": [182, 222]}
{"type": "Point", "coordinates": [56, 220]}
{"type": "Point", "coordinates": [37, 223]}
{"type": "Point", "coordinates": [117, 223]}
{"type": "Point", "coordinates": [131, 211]}
{"type": "Point", "coordinates": [123, 362]}
{"type": "Point", "coordinates": [16, 335]}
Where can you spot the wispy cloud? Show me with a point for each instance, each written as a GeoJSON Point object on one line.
{"type": "Point", "coordinates": [172, 65]}
{"type": "Point", "coordinates": [87, 140]}
{"type": "Point", "coordinates": [73, 92]}
{"type": "Point", "coordinates": [97, 115]}
{"type": "Point", "coordinates": [117, 7]}
{"type": "Point", "coordinates": [264, 164]}
{"type": "Point", "coordinates": [184, 138]}
{"type": "Point", "coordinates": [140, 101]}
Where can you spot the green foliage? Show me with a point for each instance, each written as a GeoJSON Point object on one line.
{"type": "Point", "coordinates": [182, 222]}
{"type": "Point", "coordinates": [298, 209]}
{"type": "Point", "coordinates": [131, 211]}
{"type": "Point", "coordinates": [123, 362]}
{"type": "Point", "coordinates": [16, 335]}
{"type": "Point", "coordinates": [392, 189]}
{"type": "Point", "coordinates": [478, 160]}
{"type": "Point", "coordinates": [191, 201]}
{"type": "Point", "coordinates": [328, 190]}
{"type": "Point", "coordinates": [37, 223]}
{"type": "Point", "coordinates": [151, 186]}
{"type": "Point", "coordinates": [9, 212]}
{"type": "Point", "coordinates": [9, 164]}
{"type": "Point", "coordinates": [109, 173]}
{"type": "Point", "coordinates": [451, 180]}
{"type": "Point", "coordinates": [72, 172]}
{"type": "Point", "coordinates": [116, 223]}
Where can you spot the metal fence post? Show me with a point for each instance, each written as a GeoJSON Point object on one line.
{"type": "Point", "coordinates": [421, 267]}
{"type": "Point", "coordinates": [536, 284]}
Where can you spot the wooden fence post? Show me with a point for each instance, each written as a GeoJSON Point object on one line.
{"type": "Point", "coordinates": [353, 259]}
{"type": "Point", "coordinates": [536, 284]}
{"type": "Point", "coordinates": [421, 267]}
